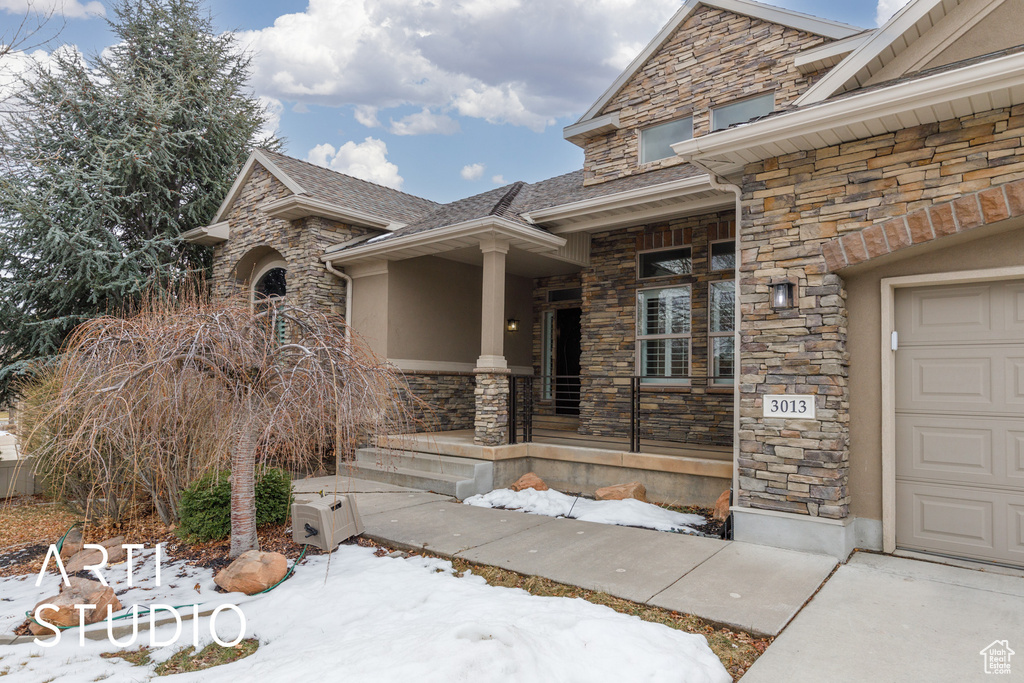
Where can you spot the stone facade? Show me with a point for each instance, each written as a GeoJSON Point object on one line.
{"type": "Point", "coordinates": [300, 243]}
{"type": "Point", "coordinates": [714, 58]}
{"type": "Point", "coordinates": [871, 194]}
{"type": "Point", "coordinates": [491, 421]}
{"type": "Point", "coordinates": [445, 401]}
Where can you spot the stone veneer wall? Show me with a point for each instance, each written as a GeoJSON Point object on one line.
{"type": "Point", "coordinates": [714, 58]}
{"type": "Point", "coordinates": [491, 395]}
{"type": "Point", "coordinates": [795, 204]}
{"type": "Point", "coordinates": [445, 401]}
{"type": "Point", "coordinates": [300, 242]}
{"type": "Point", "coordinates": [699, 413]}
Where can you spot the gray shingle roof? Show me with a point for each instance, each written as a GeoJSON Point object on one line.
{"type": "Point", "coordinates": [362, 195]}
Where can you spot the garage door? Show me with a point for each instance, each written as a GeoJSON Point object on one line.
{"type": "Point", "coordinates": [960, 420]}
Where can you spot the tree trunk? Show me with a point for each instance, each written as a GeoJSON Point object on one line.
{"type": "Point", "coordinates": [243, 493]}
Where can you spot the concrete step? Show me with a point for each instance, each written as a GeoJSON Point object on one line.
{"type": "Point", "coordinates": [459, 477]}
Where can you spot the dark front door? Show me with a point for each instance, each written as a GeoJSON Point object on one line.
{"type": "Point", "coordinates": [567, 361]}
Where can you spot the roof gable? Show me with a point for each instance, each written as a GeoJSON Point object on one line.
{"type": "Point", "coordinates": [924, 34]}
{"type": "Point", "coordinates": [257, 157]}
{"type": "Point", "coordinates": [775, 15]}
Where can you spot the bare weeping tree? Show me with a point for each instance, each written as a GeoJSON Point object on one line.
{"type": "Point", "coordinates": [151, 401]}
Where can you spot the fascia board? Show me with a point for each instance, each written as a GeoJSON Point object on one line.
{"type": "Point", "coordinates": [968, 81]}
{"type": "Point", "coordinates": [490, 225]}
{"type": "Point", "coordinates": [243, 177]}
{"type": "Point", "coordinates": [898, 24]}
{"type": "Point", "coordinates": [208, 235]}
{"type": "Point", "coordinates": [823, 27]}
{"type": "Point", "coordinates": [682, 186]}
{"type": "Point", "coordinates": [809, 59]}
{"type": "Point", "coordinates": [579, 133]}
{"type": "Point", "coordinates": [311, 206]}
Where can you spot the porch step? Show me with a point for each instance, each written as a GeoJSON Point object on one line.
{"type": "Point", "coordinates": [452, 476]}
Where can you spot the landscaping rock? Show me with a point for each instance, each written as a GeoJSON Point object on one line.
{"type": "Point", "coordinates": [634, 489]}
{"type": "Point", "coordinates": [252, 572]}
{"type": "Point", "coordinates": [529, 481]}
{"type": "Point", "coordinates": [72, 544]}
{"type": "Point", "coordinates": [91, 556]}
{"type": "Point", "coordinates": [80, 592]}
{"type": "Point", "coordinates": [722, 507]}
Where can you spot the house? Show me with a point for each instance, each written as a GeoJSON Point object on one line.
{"type": "Point", "coordinates": [792, 264]}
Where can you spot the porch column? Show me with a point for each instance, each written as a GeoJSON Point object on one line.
{"type": "Point", "coordinates": [492, 373]}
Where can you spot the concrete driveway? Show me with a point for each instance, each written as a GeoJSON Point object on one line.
{"type": "Point", "coordinates": [882, 618]}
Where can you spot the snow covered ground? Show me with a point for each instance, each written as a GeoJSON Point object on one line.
{"type": "Point", "coordinates": [352, 616]}
{"type": "Point", "coordinates": [629, 512]}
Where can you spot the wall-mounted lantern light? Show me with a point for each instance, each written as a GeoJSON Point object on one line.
{"type": "Point", "coordinates": [512, 325]}
{"type": "Point", "coordinates": [782, 295]}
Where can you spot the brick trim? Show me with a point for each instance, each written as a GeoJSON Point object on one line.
{"type": "Point", "coordinates": [949, 218]}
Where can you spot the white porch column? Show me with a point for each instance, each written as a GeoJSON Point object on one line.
{"type": "Point", "coordinates": [492, 313]}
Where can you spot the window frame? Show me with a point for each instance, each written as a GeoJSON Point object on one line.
{"type": "Point", "coordinates": [640, 141]}
{"type": "Point", "coordinates": [711, 255]}
{"type": "Point", "coordinates": [640, 338]}
{"type": "Point", "coordinates": [716, 109]}
{"type": "Point", "coordinates": [728, 334]}
{"type": "Point", "coordinates": [640, 254]}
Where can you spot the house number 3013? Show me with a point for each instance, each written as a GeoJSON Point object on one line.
{"type": "Point", "coordinates": [791, 406]}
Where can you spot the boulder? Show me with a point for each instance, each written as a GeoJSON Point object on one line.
{"type": "Point", "coordinates": [529, 481]}
{"type": "Point", "coordinates": [633, 489]}
{"type": "Point", "coordinates": [91, 556]}
{"type": "Point", "coordinates": [722, 507]}
{"type": "Point", "coordinates": [72, 544]}
{"type": "Point", "coordinates": [80, 592]}
{"type": "Point", "coordinates": [252, 571]}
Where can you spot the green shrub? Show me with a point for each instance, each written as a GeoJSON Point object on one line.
{"type": "Point", "coordinates": [205, 507]}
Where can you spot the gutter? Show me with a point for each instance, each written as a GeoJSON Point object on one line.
{"type": "Point", "coordinates": [348, 298]}
{"type": "Point", "coordinates": [719, 183]}
{"type": "Point", "coordinates": [939, 89]}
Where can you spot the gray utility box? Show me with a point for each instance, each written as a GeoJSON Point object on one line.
{"type": "Point", "coordinates": [326, 522]}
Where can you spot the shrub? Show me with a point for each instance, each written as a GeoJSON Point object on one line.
{"type": "Point", "coordinates": [206, 504]}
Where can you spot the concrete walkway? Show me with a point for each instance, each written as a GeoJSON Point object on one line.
{"type": "Point", "coordinates": [888, 619]}
{"type": "Point", "coordinates": [750, 587]}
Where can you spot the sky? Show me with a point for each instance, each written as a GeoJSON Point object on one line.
{"type": "Point", "coordinates": [439, 98]}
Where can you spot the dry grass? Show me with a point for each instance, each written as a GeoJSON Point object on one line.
{"type": "Point", "coordinates": [737, 650]}
{"type": "Point", "coordinates": [187, 659]}
{"type": "Point", "coordinates": [30, 519]}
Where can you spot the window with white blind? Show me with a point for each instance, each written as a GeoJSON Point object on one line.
{"type": "Point", "coordinates": [721, 331]}
{"type": "Point", "coordinates": [663, 334]}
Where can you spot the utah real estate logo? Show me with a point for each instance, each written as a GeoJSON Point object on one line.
{"type": "Point", "coordinates": [997, 657]}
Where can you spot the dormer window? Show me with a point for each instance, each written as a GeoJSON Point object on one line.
{"type": "Point", "coordinates": [742, 111]}
{"type": "Point", "coordinates": [656, 142]}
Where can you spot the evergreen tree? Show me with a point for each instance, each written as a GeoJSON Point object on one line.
{"type": "Point", "coordinates": [106, 162]}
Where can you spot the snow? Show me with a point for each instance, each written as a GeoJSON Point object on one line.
{"type": "Point", "coordinates": [628, 512]}
{"type": "Point", "coordinates": [355, 617]}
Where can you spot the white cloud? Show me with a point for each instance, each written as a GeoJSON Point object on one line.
{"type": "Point", "coordinates": [367, 160]}
{"type": "Point", "coordinates": [887, 8]}
{"type": "Point", "coordinates": [274, 109]}
{"type": "Point", "coordinates": [367, 116]}
{"type": "Point", "coordinates": [498, 179]}
{"type": "Point", "coordinates": [504, 61]}
{"type": "Point", "coordinates": [425, 123]}
{"type": "Point", "coordinates": [472, 171]}
{"type": "Point", "coordinates": [72, 9]}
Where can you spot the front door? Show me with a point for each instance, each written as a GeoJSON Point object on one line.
{"type": "Point", "coordinates": [567, 361]}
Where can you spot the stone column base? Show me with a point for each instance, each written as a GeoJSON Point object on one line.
{"type": "Point", "coordinates": [491, 395]}
{"type": "Point", "coordinates": [835, 537]}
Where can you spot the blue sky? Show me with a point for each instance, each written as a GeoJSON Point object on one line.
{"type": "Point", "coordinates": [441, 99]}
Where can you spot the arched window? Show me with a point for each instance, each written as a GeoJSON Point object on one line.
{"type": "Point", "coordinates": [273, 284]}
{"type": "Point", "coordinates": [265, 272]}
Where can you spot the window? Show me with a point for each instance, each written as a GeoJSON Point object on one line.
{"type": "Point", "coordinates": [269, 292]}
{"type": "Point", "coordinates": [742, 111]}
{"type": "Point", "coordinates": [663, 334]}
{"type": "Point", "coordinates": [721, 331]}
{"type": "Point", "coordinates": [723, 255]}
{"type": "Point", "coordinates": [665, 262]}
{"type": "Point", "coordinates": [656, 142]}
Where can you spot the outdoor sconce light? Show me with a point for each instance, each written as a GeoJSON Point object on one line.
{"type": "Point", "coordinates": [782, 295]}
{"type": "Point", "coordinates": [512, 325]}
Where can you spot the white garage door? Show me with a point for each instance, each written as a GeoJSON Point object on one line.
{"type": "Point", "coordinates": [960, 420]}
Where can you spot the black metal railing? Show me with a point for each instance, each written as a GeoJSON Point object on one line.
{"type": "Point", "coordinates": [611, 399]}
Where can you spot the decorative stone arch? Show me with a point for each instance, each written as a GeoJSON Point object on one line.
{"type": "Point", "coordinates": [962, 214]}
{"type": "Point", "coordinates": [262, 265]}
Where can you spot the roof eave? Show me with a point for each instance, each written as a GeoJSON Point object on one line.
{"type": "Point", "coordinates": [208, 235]}
{"type": "Point", "coordinates": [730, 149]}
{"type": "Point", "coordinates": [294, 207]}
